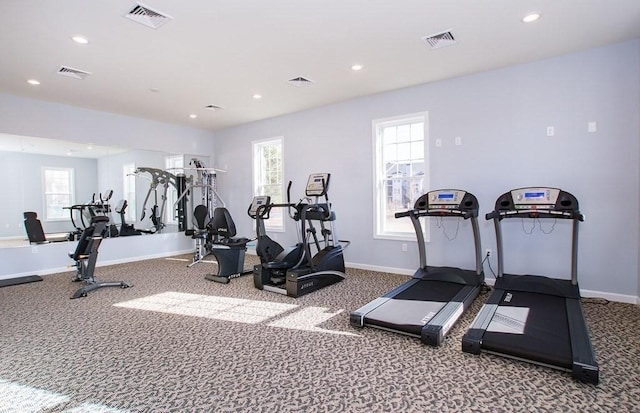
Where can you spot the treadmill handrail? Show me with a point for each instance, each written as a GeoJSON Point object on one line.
{"type": "Point", "coordinates": [534, 213]}
{"type": "Point", "coordinates": [435, 212]}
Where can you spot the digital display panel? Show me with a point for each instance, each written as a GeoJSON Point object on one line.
{"type": "Point", "coordinates": [533, 195]}
{"type": "Point", "coordinates": [446, 195]}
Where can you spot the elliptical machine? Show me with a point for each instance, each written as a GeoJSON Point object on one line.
{"type": "Point", "coordinates": [274, 258]}
{"type": "Point", "coordinates": [321, 262]}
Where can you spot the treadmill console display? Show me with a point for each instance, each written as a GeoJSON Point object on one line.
{"type": "Point", "coordinates": [318, 184]}
{"type": "Point", "coordinates": [453, 202]}
{"type": "Point", "coordinates": [445, 199]}
{"type": "Point", "coordinates": [535, 198]}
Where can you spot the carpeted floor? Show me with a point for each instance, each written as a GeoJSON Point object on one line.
{"type": "Point", "coordinates": [175, 342]}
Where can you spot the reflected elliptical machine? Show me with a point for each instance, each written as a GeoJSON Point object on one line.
{"type": "Point", "coordinates": [300, 269]}
{"type": "Point", "coordinates": [430, 303]}
{"type": "Point", "coordinates": [531, 317]}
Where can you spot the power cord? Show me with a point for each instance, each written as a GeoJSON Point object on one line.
{"type": "Point", "coordinates": [486, 259]}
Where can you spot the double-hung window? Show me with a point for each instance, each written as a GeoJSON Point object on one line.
{"type": "Point", "coordinates": [268, 178]}
{"type": "Point", "coordinates": [401, 175]}
{"type": "Point", "coordinates": [59, 192]}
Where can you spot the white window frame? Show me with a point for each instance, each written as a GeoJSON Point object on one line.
{"type": "Point", "coordinates": [129, 190]}
{"type": "Point", "coordinates": [380, 177]}
{"type": "Point", "coordinates": [276, 223]}
{"type": "Point", "coordinates": [72, 192]}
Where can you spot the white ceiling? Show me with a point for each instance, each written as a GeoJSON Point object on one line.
{"type": "Point", "coordinates": [223, 52]}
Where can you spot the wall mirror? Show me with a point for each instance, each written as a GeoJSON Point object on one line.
{"type": "Point", "coordinates": [57, 178]}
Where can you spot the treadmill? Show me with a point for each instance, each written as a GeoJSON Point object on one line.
{"type": "Point", "coordinates": [530, 317]}
{"type": "Point", "coordinates": [430, 303]}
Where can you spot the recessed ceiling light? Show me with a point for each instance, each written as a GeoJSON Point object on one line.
{"type": "Point", "coordinates": [531, 17]}
{"type": "Point", "coordinates": [257, 96]}
{"type": "Point", "coordinates": [33, 82]}
{"type": "Point", "coordinates": [80, 39]}
{"type": "Point", "coordinates": [356, 67]}
{"type": "Point", "coordinates": [193, 116]}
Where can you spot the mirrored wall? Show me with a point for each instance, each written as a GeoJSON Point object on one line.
{"type": "Point", "coordinates": [38, 173]}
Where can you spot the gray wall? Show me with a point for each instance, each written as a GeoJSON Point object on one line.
{"type": "Point", "coordinates": [23, 182]}
{"type": "Point", "coordinates": [502, 117]}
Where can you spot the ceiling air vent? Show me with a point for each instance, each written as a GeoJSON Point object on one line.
{"type": "Point", "coordinates": [299, 81]}
{"type": "Point", "coordinates": [146, 15]}
{"type": "Point", "coordinates": [439, 40]}
{"type": "Point", "coordinates": [213, 108]}
{"type": "Point", "coordinates": [74, 73]}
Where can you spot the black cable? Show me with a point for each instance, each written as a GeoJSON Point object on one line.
{"type": "Point", "coordinates": [486, 258]}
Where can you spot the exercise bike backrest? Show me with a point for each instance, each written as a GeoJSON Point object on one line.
{"type": "Point", "coordinates": [201, 218]}
{"type": "Point", "coordinates": [222, 224]}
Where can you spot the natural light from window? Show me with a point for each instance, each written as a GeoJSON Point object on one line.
{"type": "Point", "coordinates": [18, 398]}
{"type": "Point", "coordinates": [400, 171]}
{"type": "Point", "coordinates": [238, 310]}
{"type": "Point", "coordinates": [58, 192]}
{"type": "Point", "coordinates": [268, 178]}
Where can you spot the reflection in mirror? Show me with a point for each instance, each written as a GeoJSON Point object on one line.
{"type": "Point", "coordinates": [64, 183]}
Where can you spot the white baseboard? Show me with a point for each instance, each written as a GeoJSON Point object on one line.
{"type": "Point", "coordinates": [621, 298]}
{"type": "Point", "coordinates": [49, 271]}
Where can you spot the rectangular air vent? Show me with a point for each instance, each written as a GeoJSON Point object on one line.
{"type": "Point", "coordinates": [146, 15]}
{"type": "Point", "coordinates": [74, 73]}
{"type": "Point", "coordinates": [299, 81]}
{"type": "Point", "coordinates": [439, 40]}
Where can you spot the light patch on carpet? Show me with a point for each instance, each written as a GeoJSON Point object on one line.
{"type": "Point", "coordinates": [220, 308]}
{"type": "Point", "coordinates": [236, 310]}
{"type": "Point", "coordinates": [18, 398]}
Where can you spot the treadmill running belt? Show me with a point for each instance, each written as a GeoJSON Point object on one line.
{"type": "Point", "coordinates": [412, 308]}
{"type": "Point", "coordinates": [532, 327]}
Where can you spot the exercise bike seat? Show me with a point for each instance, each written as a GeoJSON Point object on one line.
{"type": "Point", "coordinates": [224, 229]}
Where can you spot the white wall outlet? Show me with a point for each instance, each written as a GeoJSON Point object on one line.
{"type": "Point", "coordinates": [592, 126]}
{"type": "Point", "coordinates": [438, 143]}
{"type": "Point", "coordinates": [488, 252]}
{"type": "Point", "coordinates": [404, 247]}
{"type": "Point", "coordinates": [551, 131]}
{"type": "Point", "coordinates": [458, 141]}
{"type": "Point", "coordinates": [34, 250]}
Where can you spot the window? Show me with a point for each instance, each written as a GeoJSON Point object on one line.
{"type": "Point", "coordinates": [400, 172]}
{"type": "Point", "coordinates": [59, 192]}
{"type": "Point", "coordinates": [129, 189]}
{"type": "Point", "coordinates": [268, 176]}
{"type": "Point", "coordinates": [174, 165]}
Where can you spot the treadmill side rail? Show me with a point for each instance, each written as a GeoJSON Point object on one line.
{"type": "Point", "coordinates": [472, 340]}
{"type": "Point", "coordinates": [357, 317]}
{"type": "Point", "coordinates": [434, 332]}
{"type": "Point", "coordinates": [584, 365]}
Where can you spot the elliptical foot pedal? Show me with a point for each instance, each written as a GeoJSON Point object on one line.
{"type": "Point", "coordinates": [217, 278]}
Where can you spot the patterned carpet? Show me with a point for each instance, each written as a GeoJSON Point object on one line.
{"type": "Point", "coordinates": [175, 342]}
